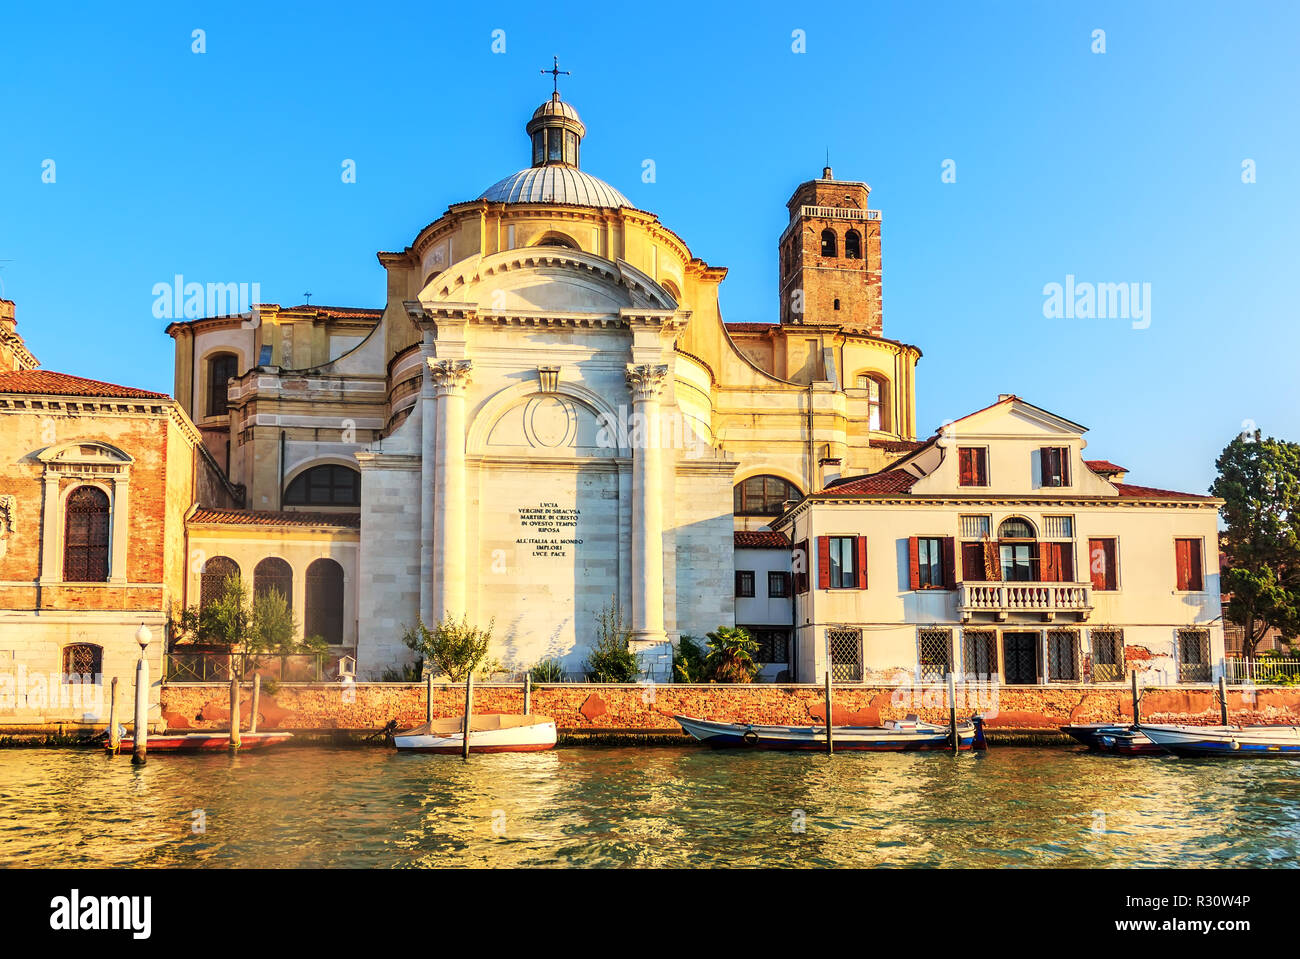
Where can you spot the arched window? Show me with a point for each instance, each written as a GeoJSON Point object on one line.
{"type": "Point", "coordinates": [85, 661]}
{"type": "Point", "coordinates": [764, 496]}
{"type": "Point", "coordinates": [213, 579]}
{"type": "Point", "coordinates": [837, 304]}
{"type": "Point", "coordinates": [221, 369]}
{"type": "Point", "coordinates": [273, 573]}
{"type": "Point", "coordinates": [327, 485]}
{"type": "Point", "coordinates": [853, 245]}
{"type": "Point", "coordinates": [85, 540]}
{"type": "Point", "coordinates": [558, 239]}
{"type": "Point", "coordinates": [1019, 550]}
{"type": "Point", "coordinates": [829, 244]}
{"type": "Point", "coordinates": [325, 601]}
{"type": "Point", "coordinates": [877, 400]}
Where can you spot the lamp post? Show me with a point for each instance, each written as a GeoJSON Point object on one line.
{"type": "Point", "coordinates": [141, 731]}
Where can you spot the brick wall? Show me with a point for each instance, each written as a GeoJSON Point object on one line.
{"type": "Point", "coordinates": [597, 707]}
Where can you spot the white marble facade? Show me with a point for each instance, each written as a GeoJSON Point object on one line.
{"type": "Point", "coordinates": [544, 470]}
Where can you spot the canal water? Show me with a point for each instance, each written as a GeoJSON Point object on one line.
{"type": "Point", "coordinates": [322, 807]}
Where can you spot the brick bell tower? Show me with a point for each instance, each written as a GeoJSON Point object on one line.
{"type": "Point", "coordinates": [830, 257]}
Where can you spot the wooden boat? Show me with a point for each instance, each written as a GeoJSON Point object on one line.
{"type": "Point", "coordinates": [202, 742]}
{"type": "Point", "coordinates": [488, 733]}
{"type": "Point", "coordinates": [1113, 738]}
{"type": "Point", "coordinates": [894, 736]}
{"type": "Point", "coordinates": [1239, 742]}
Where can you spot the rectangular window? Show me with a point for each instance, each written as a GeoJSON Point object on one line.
{"type": "Point", "coordinates": [1019, 562]}
{"type": "Point", "coordinates": [773, 644]}
{"type": "Point", "coordinates": [934, 654]}
{"type": "Point", "coordinates": [843, 562]}
{"type": "Point", "coordinates": [744, 583]}
{"type": "Point", "coordinates": [1063, 656]}
{"type": "Point", "coordinates": [845, 647]}
{"type": "Point", "coordinates": [980, 654]}
{"type": "Point", "coordinates": [974, 527]}
{"type": "Point", "coordinates": [778, 584]}
{"type": "Point", "coordinates": [1056, 561]}
{"type": "Point", "coordinates": [799, 565]}
{"type": "Point", "coordinates": [929, 562]}
{"type": "Point", "coordinates": [1187, 555]}
{"type": "Point", "coordinates": [1107, 655]}
{"type": "Point", "coordinates": [1193, 656]}
{"type": "Point", "coordinates": [972, 466]}
{"type": "Point", "coordinates": [1055, 463]}
{"type": "Point", "coordinates": [972, 563]}
{"type": "Point", "coordinates": [1101, 564]}
{"type": "Point", "coordinates": [1058, 527]}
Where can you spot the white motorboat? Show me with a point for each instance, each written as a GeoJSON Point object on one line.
{"type": "Point", "coordinates": [1267, 742]}
{"type": "Point", "coordinates": [488, 733]}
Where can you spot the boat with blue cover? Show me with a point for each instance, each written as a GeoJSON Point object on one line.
{"type": "Point", "coordinates": [898, 735]}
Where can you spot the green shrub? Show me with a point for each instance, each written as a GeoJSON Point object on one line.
{"type": "Point", "coordinates": [611, 659]}
{"type": "Point", "coordinates": [688, 661]}
{"type": "Point", "coordinates": [454, 649]}
{"type": "Point", "coordinates": [731, 655]}
{"type": "Point", "coordinates": [548, 670]}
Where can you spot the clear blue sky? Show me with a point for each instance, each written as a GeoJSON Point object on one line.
{"type": "Point", "coordinates": [1117, 167]}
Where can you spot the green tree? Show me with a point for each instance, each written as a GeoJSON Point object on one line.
{"type": "Point", "coordinates": [731, 655]}
{"type": "Point", "coordinates": [1259, 481]}
{"type": "Point", "coordinates": [453, 648]}
{"type": "Point", "coordinates": [688, 661]}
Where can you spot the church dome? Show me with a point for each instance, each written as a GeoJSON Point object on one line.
{"type": "Point", "coordinates": [555, 131]}
{"type": "Point", "coordinates": [555, 184]}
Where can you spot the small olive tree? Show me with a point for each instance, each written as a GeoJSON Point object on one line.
{"type": "Point", "coordinates": [453, 648]}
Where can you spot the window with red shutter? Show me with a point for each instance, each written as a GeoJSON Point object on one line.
{"type": "Point", "coordinates": [799, 567]}
{"type": "Point", "coordinates": [913, 563]}
{"type": "Point", "coordinates": [823, 562]}
{"type": "Point", "coordinates": [1187, 554]}
{"type": "Point", "coordinates": [862, 562]}
{"type": "Point", "coordinates": [1101, 564]}
{"type": "Point", "coordinates": [972, 466]}
{"type": "Point", "coordinates": [1054, 465]}
{"type": "Point", "coordinates": [949, 562]}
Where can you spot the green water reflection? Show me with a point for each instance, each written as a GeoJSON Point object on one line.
{"type": "Point", "coordinates": [318, 807]}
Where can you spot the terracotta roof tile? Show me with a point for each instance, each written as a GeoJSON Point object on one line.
{"type": "Point", "coordinates": [752, 327]}
{"type": "Point", "coordinates": [336, 310]}
{"type": "Point", "coordinates": [1103, 466]}
{"type": "Point", "coordinates": [49, 383]}
{"type": "Point", "coordinates": [761, 539]}
{"type": "Point", "coordinates": [900, 446]}
{"type": "Point", "coordinates": [1150, 492]}
{"type": "Point", "coordinates": [237, 517]}
{"type": "Point", "coordinates": [884, 482]}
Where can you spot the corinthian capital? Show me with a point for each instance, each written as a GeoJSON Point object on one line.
{"type": "Point", "coordinates": [449, 375]}
{"type": "Point", "coordinates": [646, 380]}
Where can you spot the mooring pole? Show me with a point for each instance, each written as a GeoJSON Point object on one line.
{"type": "Point", "coordinates": [1223, 700]}
{"type": "Point", "coordinates": [528, 692]}
{"type": "Point", "coordinates": [469, 707]}
{"type": "Point", "coordinates": [830, 739]}
{"type": "Point", "coordinates": [234, 714]}
{"type": "Point", "coordinates": [1137, 712]}
{"type": "Point", "coordinates": [257, 698]}
{"type": "Point", "coordinates": [114, 740]}
{"type": "Point", "coordinates": [428, 698]}
{"type": "Point", "coordinates": [140, 734]}
{"type": "Point", "coordinates": [952, 715]}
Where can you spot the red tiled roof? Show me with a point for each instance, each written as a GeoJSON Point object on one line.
{"type": "Point", "coordinates": [1103, 466]}
{"type": "Point", "coordinates": [751, 327]}
{"type": "Point", "coordinates": [1149, 492]}
{"type": "Point", "coordinates": [886, 481]}
{"type": "Point", "coordinates": [63, 384]}
{"type": "Point", "coordinates": [239, 517]}
{"type": "Point", "coordinates": [900, 446]}
{"type": "Point", "coordinates": [761, 539]}
{"type": "Point", "coordinates": [336, 310]}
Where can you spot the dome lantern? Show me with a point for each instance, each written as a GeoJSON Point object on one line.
{"type": "Point", "coordinates": [555, 129]}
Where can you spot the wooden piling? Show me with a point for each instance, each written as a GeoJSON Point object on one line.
{"type": "Point", "coordinates": [257, 698]}
{"type": "Point", "coordinates": [1223, 700]}
{"type": "Point", "coordinates": [428, 698]}
{"type": "Point", "coordinates": [140, 730]}
{"type": "Point", "coordinates": [830, 743]}
{"type": "Point", "coordinates": [528, 692]}
{"type": "Point", "coordinates": [469, 709]}
{"type": "Point", "coordinates": [114, 737]}
{"type": "Point", "coordinates": [952, 715]}
{"type": "Point", "coordinates": [234, 714]}
{"type": "Point", "coordinates": [1137, 712]}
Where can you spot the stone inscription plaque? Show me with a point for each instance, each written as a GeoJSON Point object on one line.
{"type": "Point", "coordinates": [550, 530]}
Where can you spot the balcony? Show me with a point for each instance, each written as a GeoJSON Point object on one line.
{"type": "Point", "coordinates": [1045, 599]}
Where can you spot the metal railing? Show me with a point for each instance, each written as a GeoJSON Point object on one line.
{"type": "Point", "coordinates": [1024, 597]}
{"type": "Point", "coordinates": [1261, 670]}
{"type": "Point", "coordinates": [210, 667]}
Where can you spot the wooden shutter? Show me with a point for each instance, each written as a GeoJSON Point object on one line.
{"type": "Point", "coordinates": [965, 463]}
{"type": "Point", "coordinates": [823, 562]}
{"type": "Point", "coordinates": [738, 593]}
{"type": "Point", "coordinates": [1065, 562]}
{"type": "Point", "coordinates": [1065, 465]}
{"type": "Point", "coordinates": [1104, 578]}
{"type": "Point", "coordinates": [862, 562]}
{"type": "Point", "coordinates": [785, 583]}
{"type": "Point", "coordinates": [1182, 564]}
{"type": "Point", "coordinates": [913, 564]}
{"type": "Point", "coordinates": [1044, 464]}
{"type": "Point", "coordinates": [949, 563]}
{"type": "Point", "coordinates": [801, 578]}
{"type": "Point", "coordinates": [972, 562]}
{"type": "Point", "coordinates": [1194, 564]}
{"type": "Point", "coordinates": [1049, 567]}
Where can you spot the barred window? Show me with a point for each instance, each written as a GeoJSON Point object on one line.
{"type": "Point", "coordinates": [778, 584]}
{"type": "Point", "coordinates": [1193, 655]}
{"type": "Point", "coordinates": [763, 496]}
{"type": "Point", "coordinates": [85, 541]}
{"type": "Point", "coordinates": [213, 580]}
{"type": "Point", "coordinates": [275, 574]}
{"type": "Point", "coordinates": [934, 647]}
{"type": "Point", "coordinates": [325, 601]}
{"type": "Point", "coordinates": [326, 485]}
{"type": "Point", "coordinates": [980, 654]}
{"type": "Point", "coordinates": [744, 583]}
{"type": "Point", "coordinates": [1063, 656]}
{"type": "Point", "coordinates": [773, 644]}
{"type": "Point", "coordinates": [1107, 655]}
{"type": "Point", "coordinates": [82, 660]}
{"type": "Point", "coordinates": [846, 654]}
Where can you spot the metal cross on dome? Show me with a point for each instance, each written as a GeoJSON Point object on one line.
{"type": "Point", "coordinates": [555, 73]}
